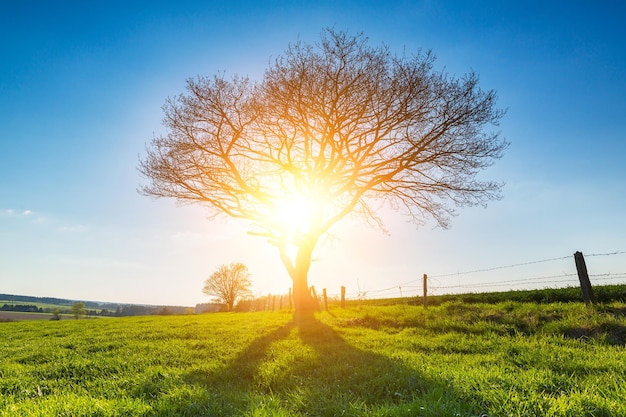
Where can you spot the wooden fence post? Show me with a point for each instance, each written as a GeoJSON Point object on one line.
{"type": "Point", "coordinates": [583, 277]}
{"type": "Point", "coordinates": [314, 295]}
{"type": "Point", "coordinates": [425, 291]}
{"type": "Point", "coordinates": [343, 297]}
{"type": "Point", "coordinates": [325, 299]}
{"type": "Point", "coordinates": [290, 299]}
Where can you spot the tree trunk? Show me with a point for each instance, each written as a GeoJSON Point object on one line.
{"type": "Point", "coordinates": [303, 301]}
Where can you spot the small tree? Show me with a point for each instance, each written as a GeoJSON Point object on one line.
{"type": "Point", "coordinates": [78, 310]}
{"type": "Point", "coordinates": [228, 283]}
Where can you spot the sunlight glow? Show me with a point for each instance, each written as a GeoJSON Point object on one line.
{"type": "Point", "coordinates": [294, 215]}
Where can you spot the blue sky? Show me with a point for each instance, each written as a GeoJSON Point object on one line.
{"type": "Point", "coordinates": [81, 90]}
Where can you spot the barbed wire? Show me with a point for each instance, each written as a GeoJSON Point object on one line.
{"type": "Point", "coordinates": [612, 275]}
{"type": "Point", "coordinates": [416, 291]}
{"type": "Point", "coordinates": [501, 267]}
{"type": "Point", "coordinates": [606, 254]}
{"type": "Point", "coordinates": [510, 281]}
{"type": "Point", "coordinates": [409, 287]}
{"type": "Point", "coordinates": [407, 291]}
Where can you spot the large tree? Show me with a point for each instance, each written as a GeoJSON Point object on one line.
{"type": "Point", "coordinates": [228, 283]}
{"type": "Point", "coordinates": [334, 129]}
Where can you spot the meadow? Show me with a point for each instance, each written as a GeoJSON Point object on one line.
{"type": "Point", "coordinates": [453, 359]}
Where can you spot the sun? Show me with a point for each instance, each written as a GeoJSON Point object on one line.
{"type": "Point", "coordinates": [294, 215]}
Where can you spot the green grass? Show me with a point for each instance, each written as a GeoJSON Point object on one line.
{"type": "Point", "coordinates": [507, 359]}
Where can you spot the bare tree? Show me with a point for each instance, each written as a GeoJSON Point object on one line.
{"type": "Point", "coordinates": [336, 129]}
{"type": "Point", "coordinates": [228, 283]}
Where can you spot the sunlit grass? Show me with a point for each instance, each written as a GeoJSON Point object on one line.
{"type": "Point", "coordinates": [455, 359]}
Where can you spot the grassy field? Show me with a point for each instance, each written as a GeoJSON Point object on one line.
{"type": "Point", "coordinates": [455, 359]}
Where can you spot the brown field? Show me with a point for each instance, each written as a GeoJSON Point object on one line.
{"type": "Point", "coordinates": [19, 316]}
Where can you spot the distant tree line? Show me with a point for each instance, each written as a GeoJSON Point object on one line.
{"type": "Point", "coordinates": [22, 308]}
{"type": "Point", "coordinates": [60, 302]}
{"type": "Point", "coordinates": [29, 299]}
{"type": "Point", "coordinates": [116, 311]}
{"type": "Point", "coordinates": [138, 310]}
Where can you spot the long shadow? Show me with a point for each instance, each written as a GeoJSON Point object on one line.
{"type": "Point", "coordinates": [308, 368]}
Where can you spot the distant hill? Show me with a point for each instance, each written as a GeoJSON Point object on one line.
{"type": "Point", "coordinates": [58, 301]}
{"type": "Point", "coordinates": [113, 309]}
{"type": "Point", "coordinates": [28, 299]}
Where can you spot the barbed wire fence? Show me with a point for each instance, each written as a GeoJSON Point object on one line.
{"type": "Point", "coordinates": [437, 284]}
{"type": "Point", "coordinates": [417, 288]}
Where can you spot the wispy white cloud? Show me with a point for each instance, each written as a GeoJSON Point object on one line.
{"type": "Point", "coordinates": [37, 217]}
{"type": "Point", "coordinates": [14, 212]}
{"type": "Point", "coordinates": [33, 216]}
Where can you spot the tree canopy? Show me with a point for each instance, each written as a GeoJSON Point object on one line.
{"type": "Point", "coordinates": [78, 310]}
{"type": "Point", "coordinates": [333, 129]}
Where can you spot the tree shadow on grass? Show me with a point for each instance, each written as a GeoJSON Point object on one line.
{"type": "Point", "coordinates": [307, 368]}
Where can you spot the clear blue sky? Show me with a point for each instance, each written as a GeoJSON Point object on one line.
{"type": "Point", "coordinates": [81, 90]}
